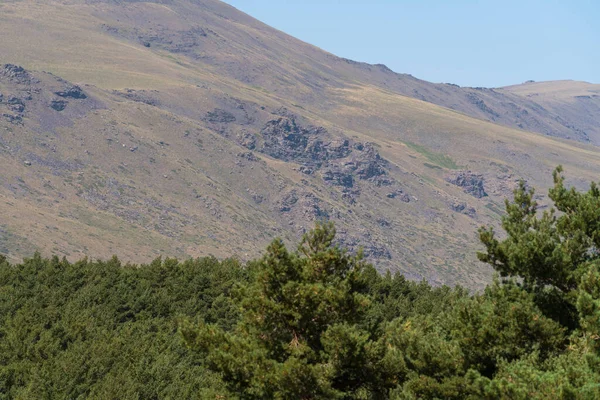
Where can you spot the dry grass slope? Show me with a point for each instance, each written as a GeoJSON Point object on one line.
{"type": "Point", "coordinates": [205, 131]}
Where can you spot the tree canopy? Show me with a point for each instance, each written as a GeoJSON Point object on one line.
{"type": "Point", "coordinates": [316, 322]}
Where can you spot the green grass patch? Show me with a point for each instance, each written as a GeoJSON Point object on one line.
{"type": "Point", "coordinates": [441, 160]}
{"type": "Point", "coordinates": [432, 166]}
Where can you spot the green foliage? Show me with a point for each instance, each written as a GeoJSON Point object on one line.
{"type": "Point", "coordinates": [548, 252]}
{"type": "Point", "coordinates": [103, 330]}
{"type": "Point", "coordinates": [299, 335]}
{"type": "Point", "coordinates": [317, 322]}
{"type": "Point", "coordinates": [438, 159]}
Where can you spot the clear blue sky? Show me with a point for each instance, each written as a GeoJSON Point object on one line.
{"type": "Point", "coordinates": [468, 42]}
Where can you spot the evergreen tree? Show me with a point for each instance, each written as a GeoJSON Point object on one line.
{"type": "Point", "coordinates": [317, 322]}
{"type": "Point", "coordinates": [300, 334]}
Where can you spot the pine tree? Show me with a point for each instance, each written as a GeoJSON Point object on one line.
{"type": "Point", "coordinates": [300, 335]}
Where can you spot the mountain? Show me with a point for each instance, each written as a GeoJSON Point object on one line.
{"type": "Point", "coordinates": [185, 128]}
{"type": "Point", "coordinates": [573, 105]}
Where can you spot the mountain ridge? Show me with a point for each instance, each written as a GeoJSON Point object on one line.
{"type": "Point", "coordinates": [204, 131]}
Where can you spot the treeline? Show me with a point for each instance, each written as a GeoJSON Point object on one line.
{"type": "Point", "coordinates": [315, 322]}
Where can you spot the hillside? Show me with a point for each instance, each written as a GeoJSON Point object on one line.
{"type": "Point", "coordinates": [576, 105]}
{"type": "Point", "coordinates": [186, 128]}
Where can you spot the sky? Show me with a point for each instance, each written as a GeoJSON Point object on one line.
{"type": "Point", "coordinates": [488, 43]}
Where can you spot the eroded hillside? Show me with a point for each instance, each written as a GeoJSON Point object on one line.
{"type": "Point", "coordinates": [186, 128]}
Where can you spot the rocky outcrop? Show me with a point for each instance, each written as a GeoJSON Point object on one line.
{"type": "Point", "coordinates": [248, 155]}
{"type": "Point", "coordinates": [338, 175]}
{"type": "Point", "coordinates": [362, 163]}
{"type": "Point", "coordinates": [247, 139]}
{"type": "Point", "coordinates": [72, 92]}
{"type": "Point", "coordinates": [16, 74]}
{"type": "Point", "coordinates": [15, 108]}
{"type": "Point", "coordinates": [13, 119]}
{"type": "Point", "coordinates": [286, 203]}
{"type": "Point", "coordinates": [339, 160]}
{"type": "Point", "coordinates": [463, 208]}
{"type": "Point", "coordinates": [480, 104]}
{"type": "Point", "coordinates": [257, 198]}
{"type": "Point", "coordinates": [369, 165]}
{"type": "Point", "coordinates": [15, 104]}
{"type": "Point", "coordinates": [58, 105]}
{"type": "Point", "coordinates": [399, 194]}
{"type": "Point", "coordinates": [304, 206]}
{"type": "Point", "coordinates": [31, 96]}
{"type": "Point", "coordinates": [471, 183]}
{"type": "Point", "coordinates": [286, 140]}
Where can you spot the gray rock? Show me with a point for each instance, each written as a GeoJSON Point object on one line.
{"type": "Point", "coordinates": [288, 201]}
{"type": "Point", "coordinates": [479, 103]}
{"type": "Point", "coordinates": [383, 222]}
{"type": "Point", "coordinates": [72, 92]}
{"type": "Point", "coordinates": [15, 74]}
{"type": "Point", "coordinates": [13, 100]}
{"type": "Point", "coordinates": [337, 176]}
{"type": "Point", "coordinates": [13, 119]}
{"type": "Point", "coordinates": [247, 139]}
{"type": "Point", "coordinates": [58, 105]}
{"type": "Point", "coordinates": [471, 183]}
{"type": "Point", "coordinates": [463, 208]}
{"type": "Point", "coordinates": [306, 170]}
{"type": "Point", "coordinates": [248, 155]}
{"type": "Point", "coordinates": [285, 140]}
{"type": "Point", "coordinates": [16, 104]}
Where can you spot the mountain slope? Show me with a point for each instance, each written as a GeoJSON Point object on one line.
{"type": "Point", "coordinates": [183, 128]}
{"type": "Point", "coordinates": [576, 105]}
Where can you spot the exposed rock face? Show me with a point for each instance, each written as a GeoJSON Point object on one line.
{"type": "Point", "coordinates": [339, 160]}
{"type": "Point", "coordinates": [363, 163]}
{"type": "Point", "coordinates": [288, 201]}
{"type": "Point", "coordinates": [248, 155]}
{"type": "Point", "coordinates": [15, 74]}
{"type": "Point", "coordinates": [15, 104]}
{"type": "Point", "coordinates": [13, 119]}
{"type": "Point", "coordinates": [304, 205]}
{"type": "Point", "coordinates": [399, 194]}
{"type": "Point", "coordinates": [247, 139]}
{"type": "Point", "coordinates": [285, 140]}
{"type": "Point", "coordinates": [338, 175]}
{"type": "Point", "coordinates": [30, 96]}
{"type": "Point", "coordinates": [475, 100]}
{"type": "Point", "coordinates": [369, 164]}
{"type": "Point", "coordinates": [58, 105]}
{"type": "Point", "coordinates": [374, 250]}
{"type": "Point", "coordinates": [72, 92]}
{"type": "Point", "coordinates": [463, 208]}
{"type": "Point", "coordinates": [471, 183]}
{"type": "Point", "coordinates": [306, 170]}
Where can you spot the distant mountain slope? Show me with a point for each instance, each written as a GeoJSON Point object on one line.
{"type": "Point", "coordinates": [184, 128]}
{"type": "Point", "coordinates": [575, 105]}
